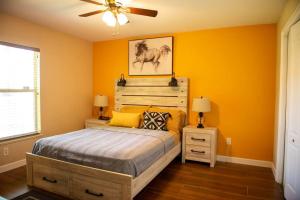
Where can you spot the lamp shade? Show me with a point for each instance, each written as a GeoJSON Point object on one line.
{"type": "Point", "coordinates": [201, 104]}
{"type": "Point", "coordinates": [109, 18]}
{"type": "Point", "coordinates": [122, 19]}
{"type": "Point", "coordinates": [101, 101]}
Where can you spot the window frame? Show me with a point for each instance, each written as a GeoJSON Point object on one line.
{"type": "Point", "coordinates": [35, 90]}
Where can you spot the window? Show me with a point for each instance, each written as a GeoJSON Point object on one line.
{"type": "Point", "coordinates": [19, 91]}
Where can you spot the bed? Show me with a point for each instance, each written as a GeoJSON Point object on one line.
{"type": "Point", "coordinates": [110, 162]}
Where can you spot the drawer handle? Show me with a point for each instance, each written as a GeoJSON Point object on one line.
{"type": "Point", "coordinates": [194, 151]}
{"type": "Point", "coordinates": [199, 139]}
{"type": "Point", "coordinates": [49, 180]}
{"type": "Point", "coordinates": [94, 194]}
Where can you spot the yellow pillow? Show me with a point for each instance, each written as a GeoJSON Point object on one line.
{"type": "Point", "coordinates": [135, 109]}
{"type": "Point", "coordinates": [175, 121]}
{"type": "Point", "coordinates": [131, 120]}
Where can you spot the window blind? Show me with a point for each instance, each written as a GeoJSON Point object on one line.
{"type": "Point", "coordinates": [19, 90]}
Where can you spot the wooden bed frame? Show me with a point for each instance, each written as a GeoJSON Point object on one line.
{"type": "Point", "coordinates": [87, 183]}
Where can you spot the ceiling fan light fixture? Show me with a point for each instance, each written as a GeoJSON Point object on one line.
{"type": "Point", "coordinates": [114, 11]}
{"type": "Point", "coordinates": [122, 19]}
{"type": "Point", "coordinates": [109, 18]}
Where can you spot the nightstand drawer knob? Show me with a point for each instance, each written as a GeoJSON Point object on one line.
{"type": "Point", "coordinates": [199, 139]}
{"type": "Point", "coordinates": [194, 151]}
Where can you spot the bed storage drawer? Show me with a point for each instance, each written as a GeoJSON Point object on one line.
{"type": "Point", "coordinates": [50, 179]}
{"type": "Point", "coordinates": [197, 139]}
{"type": "Point", "coordinates": [93, 189]}
{"type": "Point", "coordinates": [197, 152]}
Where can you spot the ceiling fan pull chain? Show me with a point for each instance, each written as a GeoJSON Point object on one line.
{"type": "Point", "coordinates": [116, 30]}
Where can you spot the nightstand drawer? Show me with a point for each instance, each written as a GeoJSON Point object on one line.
{"type": "Point", "coordinates": [197, 152]}
{"type": "Point", "coordinates": [198, 139]}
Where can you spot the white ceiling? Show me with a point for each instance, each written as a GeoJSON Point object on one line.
{"type": "Point", "coordinates": [173, 15]}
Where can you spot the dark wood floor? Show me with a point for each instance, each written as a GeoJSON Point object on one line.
{"type": "Point", "coordinates": [191, 181]}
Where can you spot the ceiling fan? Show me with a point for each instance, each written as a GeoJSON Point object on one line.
{"type": "Point", "coordinates": [115, 11]}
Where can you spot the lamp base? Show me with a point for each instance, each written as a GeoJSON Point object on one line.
{"type": "Point", "coordinates": [200, 125]}
{"type": "Point", "coordinates": [103, 118]}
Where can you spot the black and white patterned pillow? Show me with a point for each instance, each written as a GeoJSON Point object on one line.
{"type": "Point", "coordinates": [155, 120]}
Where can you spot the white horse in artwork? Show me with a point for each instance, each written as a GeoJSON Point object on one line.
{"type": "Point", "coordinates": [144, 54]}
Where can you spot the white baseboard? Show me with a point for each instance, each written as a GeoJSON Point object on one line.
{"type": "Point", "coordinates": [274, 170]}
{"type": "Point", "coordinates": [13, 165]}
{"type": "Point", "coordinates": [245, 161]}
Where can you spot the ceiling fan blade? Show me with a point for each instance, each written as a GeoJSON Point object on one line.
{"type": "Point", "coordinates": [94, 2]}
{"type": "Point", "coordinates": [141, 11]}
{"type": "Point", "coordinates": [91, 13]}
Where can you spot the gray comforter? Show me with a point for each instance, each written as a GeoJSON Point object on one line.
{"type": "Point", "coordinates": [124, 150]}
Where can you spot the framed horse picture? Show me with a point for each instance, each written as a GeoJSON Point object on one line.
{"type": "Point", "coordinates": [150, 56]}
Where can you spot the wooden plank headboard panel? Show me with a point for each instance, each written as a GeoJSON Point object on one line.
{"type": "Point", "coordinates": [153, 92]}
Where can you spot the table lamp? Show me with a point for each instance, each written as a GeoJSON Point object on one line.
{"type": "Point", "coordinates": [101, 102]}
{"type": "Point", "coordinates": [201, 105]}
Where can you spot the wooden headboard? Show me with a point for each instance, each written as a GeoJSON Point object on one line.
{"type": "Point", "coordinates": [153, 92]}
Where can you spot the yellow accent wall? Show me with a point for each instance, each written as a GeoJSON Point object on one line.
{"type": "Point", "coordinates": [234, 67]}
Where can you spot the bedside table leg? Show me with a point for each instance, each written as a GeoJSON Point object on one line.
{"type": "Point", "coordinates": [212, 164]}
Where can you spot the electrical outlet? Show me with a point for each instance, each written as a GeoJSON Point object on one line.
{"type": "Point", "coordinates": [228, 141]}
{"type": "Point", "coordinates": [5, 151]}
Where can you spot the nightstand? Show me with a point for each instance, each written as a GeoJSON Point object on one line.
{"type": "Point", "coordinates": [89, 123]}
{"type": "Point", "coordinates": [199, 144]}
